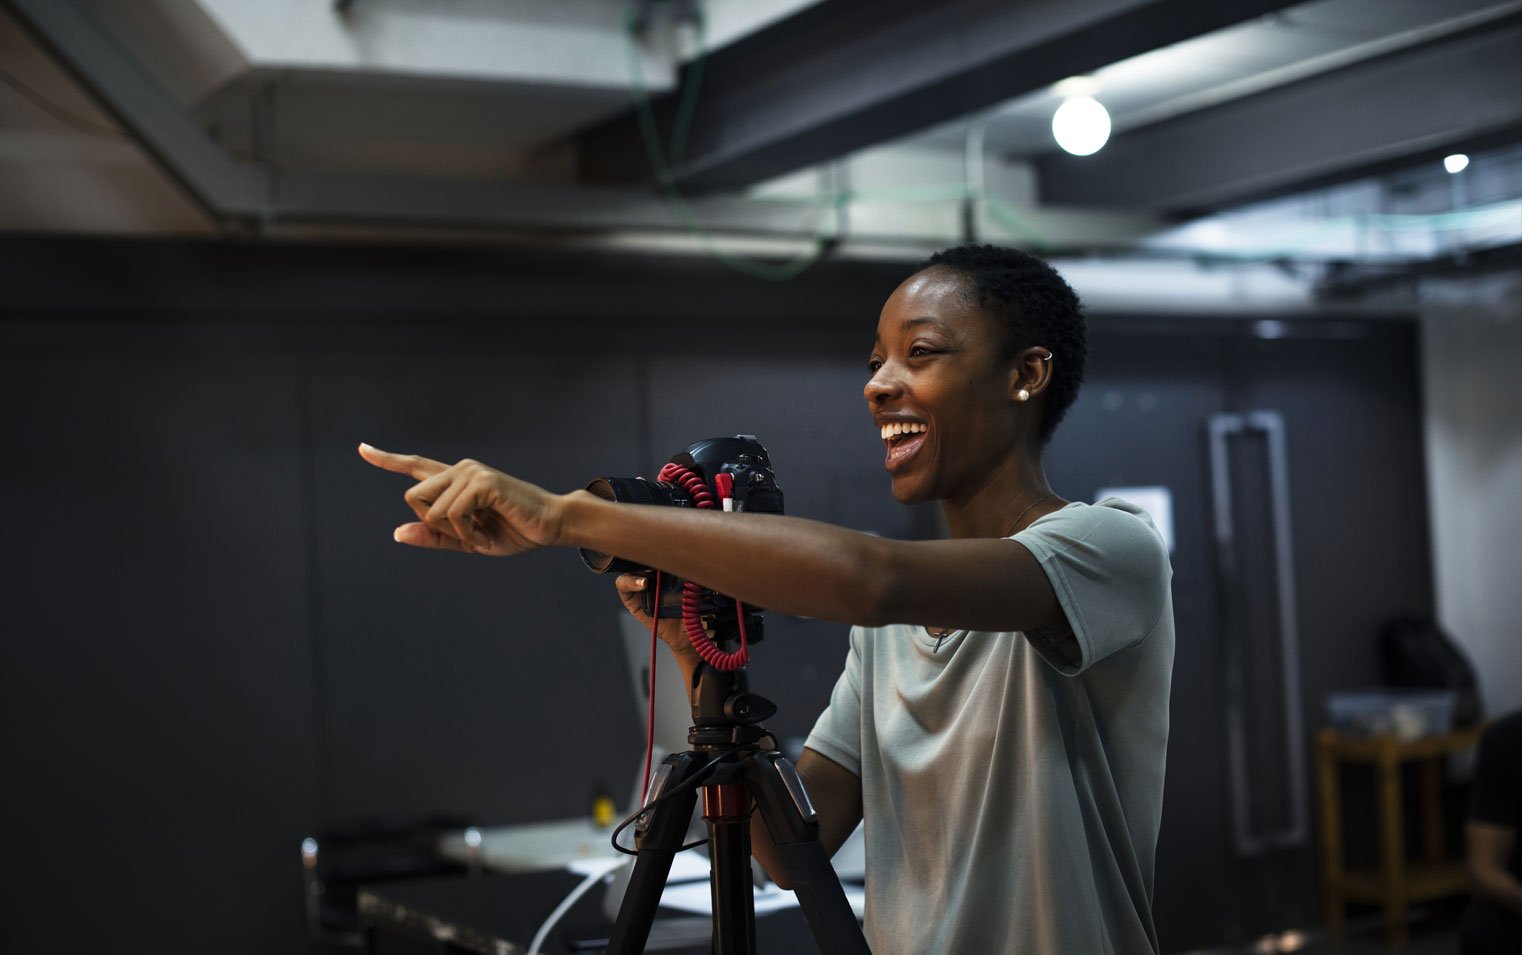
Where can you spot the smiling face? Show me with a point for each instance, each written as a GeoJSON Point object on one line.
{"type": "Point", "coordinates": [939, 391]}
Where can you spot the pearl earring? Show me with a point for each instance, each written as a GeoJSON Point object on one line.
{"type": "Point", "coordinates": [1023, 395]}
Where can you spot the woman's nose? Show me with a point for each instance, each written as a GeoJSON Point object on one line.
{"type": "Point", "coordinates": [880, 387]}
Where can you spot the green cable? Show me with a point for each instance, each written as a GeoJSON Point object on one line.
{"type": "Point", "coordinates": [774, 272]}
{"type": "Point", "coordinates": [1005, 215]}
{"type": "Point", "coordinates": [689, 102]}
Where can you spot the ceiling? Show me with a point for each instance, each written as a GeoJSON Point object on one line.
{"type": "Point", "coordinates": [807, 120]}
{"type": "Point", "coordinates": [1273, 50]}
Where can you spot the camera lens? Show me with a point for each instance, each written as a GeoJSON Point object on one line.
{"type": "Point", "coordinates": [630, 491]}
{"type": "Point", "coordinates": [624, 491]}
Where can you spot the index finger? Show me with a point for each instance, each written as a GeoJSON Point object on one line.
{"type": "Point", "coordinates": [410, 464]}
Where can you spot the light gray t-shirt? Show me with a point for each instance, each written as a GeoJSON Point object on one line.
{"type": "Point", "coordinates": [1012, 783]}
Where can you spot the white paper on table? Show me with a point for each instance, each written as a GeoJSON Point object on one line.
{"type": "Point", "coordinates": [696, 897]}
{"type": "Point", "coordinates": [685, 866]}
{"type": "Point", "coordinates": [602, 865]}
{"type": "Point", "coordinates": [688, 867]}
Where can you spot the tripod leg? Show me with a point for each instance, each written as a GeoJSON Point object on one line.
{"type": "Point", "coordinates": [794, 828]}
{"type": "Point", "coordinates": [659, 835]}
{"type": "Point", "coordinates": [726, 808]}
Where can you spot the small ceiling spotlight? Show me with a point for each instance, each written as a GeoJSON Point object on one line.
{"type": "Point", "coordinates": [1081, 125]}
{"type": "Point", "coordinates": [1456, 163]}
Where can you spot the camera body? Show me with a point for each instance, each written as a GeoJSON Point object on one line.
{"type": "Point", "coordinates": [754, 489]}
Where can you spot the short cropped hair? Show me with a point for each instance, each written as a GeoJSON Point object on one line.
{"type": "Point", "coordinates": [1034, 306]}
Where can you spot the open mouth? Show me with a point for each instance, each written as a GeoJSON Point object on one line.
{"type": "Point", "coordinates": [904, 439]}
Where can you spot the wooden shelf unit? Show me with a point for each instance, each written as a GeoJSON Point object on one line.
{"type": "Point", "coordinates": [1395, 883]}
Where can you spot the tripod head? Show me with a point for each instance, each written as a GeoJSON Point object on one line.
{"type": "Point", "coordinates": [725, 713]}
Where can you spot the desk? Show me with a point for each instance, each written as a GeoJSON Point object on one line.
{"type": "Point", "coordinates": [535, 846]}
{"type": "Point", "coordinates": [1395, 883]}
{"type": "Point", "coordinates": [499, 914]}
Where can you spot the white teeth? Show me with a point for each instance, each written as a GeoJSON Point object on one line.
{"type": "Point", "coordinates": [902, 427]}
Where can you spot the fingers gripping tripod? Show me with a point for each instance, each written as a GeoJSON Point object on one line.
{"type": "Point", "coordinates": [733, 769]}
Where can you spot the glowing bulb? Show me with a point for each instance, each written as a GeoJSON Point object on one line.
{"type": "Point", "coordinates": [1081, 125]}
{"type": "Point", "coordinates": [1456, 163]}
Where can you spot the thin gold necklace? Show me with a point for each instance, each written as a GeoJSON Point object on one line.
{"type": "Point", "coordinates": [942, 633]}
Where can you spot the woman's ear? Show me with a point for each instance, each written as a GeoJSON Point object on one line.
{"type": "Point", "coordinates": [1030, 373]}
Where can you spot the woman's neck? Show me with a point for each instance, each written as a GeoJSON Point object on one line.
{"type": "Point", "coordinates": [1005, 496]}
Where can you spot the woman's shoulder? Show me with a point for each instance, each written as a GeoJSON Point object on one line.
{"type": "Point", "coordinates": [1111, 524]}
{"type": "Point", "coordinates": [1106, 512]}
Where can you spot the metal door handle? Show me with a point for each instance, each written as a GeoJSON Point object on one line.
{"type": "Point", "coordinates": [1248, 841]}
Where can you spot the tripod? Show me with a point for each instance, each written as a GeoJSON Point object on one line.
{"type": "Point", "coordinates": [733, 769]}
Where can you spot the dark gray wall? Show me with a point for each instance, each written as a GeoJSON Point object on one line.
{"type": "Point", "coordinates": [213, 646]}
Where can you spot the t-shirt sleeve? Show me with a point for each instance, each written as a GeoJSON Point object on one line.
{"type": "Point", "coordinates": [837, 733]}
{"type": "Point", "coordinates": [1111, 574]}
{"type": "Point", "coordinates": [1496, 798]}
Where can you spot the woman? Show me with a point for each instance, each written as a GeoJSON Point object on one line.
{"type": "Point", "coordinates": [1003, 715]}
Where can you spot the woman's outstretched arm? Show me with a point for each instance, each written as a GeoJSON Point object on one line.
{"type": "Point", "coordinates": [788, 564]}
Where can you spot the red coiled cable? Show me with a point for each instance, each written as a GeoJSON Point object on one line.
{"type": "Point", "coordinates": [700, 641]}
{"type": "Point", "coordinates": [691, 593]}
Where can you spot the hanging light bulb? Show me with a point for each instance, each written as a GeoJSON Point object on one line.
{"type": "Point", "coordinates": [1456, 163]}
{"type": "Point", "coordinates": [1081, 125]}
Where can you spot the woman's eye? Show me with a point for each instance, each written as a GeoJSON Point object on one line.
{"type": "Point", "coordinates": [917, 351]}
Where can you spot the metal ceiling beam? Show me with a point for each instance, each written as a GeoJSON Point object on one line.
{"type": "Point", "coordinates": [237, 191]}
{"type": "Point", "coordinates": [841, 76]}
{"type": "Point", "coordinates": [244, 191]}
{"type": "Point", "coordinates": [413, 200]}
{"type": "Point", "coordinates": [1334, 127]}
{"type": "Point", "coordinates": [1353, 282]}
{"type": "Point", "coordinates": [159, 125]}
{"type": "Point", "coordinates": [361, 199]}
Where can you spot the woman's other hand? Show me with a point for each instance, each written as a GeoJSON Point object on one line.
{"type": "Point", "coordinates": [470, 507]}
{"type": "Point", "coordinates": [671, 631]}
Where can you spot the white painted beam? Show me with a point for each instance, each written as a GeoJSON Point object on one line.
{"type": "Point", "coordinates": [558, 43]}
